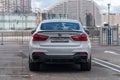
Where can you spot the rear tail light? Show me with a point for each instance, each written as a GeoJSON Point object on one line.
{"type": "Point", "coordinates": [37, 52]}
{"type": "Point", "coordinates": [38, 37]}
{"type": "Point", "coordinates": [80, 37]}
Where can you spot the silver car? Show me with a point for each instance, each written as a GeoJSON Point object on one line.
{"type": "Point", "coordinates": [60, 41]}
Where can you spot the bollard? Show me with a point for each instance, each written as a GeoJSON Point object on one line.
{"type": "Point", "coordinates": [22, 37]}
{"type": "Point", "coordinates": [2, 39]}
{"type": "Point", "coordinates": [118, 35]}
{"type": "Point", "coordinates": [99, 36]}
{"type": "Point", "coordinates": [109, 37]}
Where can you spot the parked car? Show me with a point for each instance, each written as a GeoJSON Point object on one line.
{"type": "Point", "coordinates": [60, 41]}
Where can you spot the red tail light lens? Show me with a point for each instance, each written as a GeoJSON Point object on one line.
{"type": "Point", "coordinates": [38, 37]}
{"type": "Point", "coordinates": [76, 38]}
{"type": "Point", "coordinates": [81, 37]}
{"type": "Point", "coordinates": [84, 37]}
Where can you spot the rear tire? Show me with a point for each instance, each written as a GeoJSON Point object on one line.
{"type": "Point", "coordinates": [86, 66]}
{"type": "Point", "coordinates": [33, 66]}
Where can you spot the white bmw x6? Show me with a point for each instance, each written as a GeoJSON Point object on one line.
{"type": "Point", "coordinates": [60, 41]}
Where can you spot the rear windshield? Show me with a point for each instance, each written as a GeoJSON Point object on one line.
{"type": "Point", "coordinates": [60, 26]}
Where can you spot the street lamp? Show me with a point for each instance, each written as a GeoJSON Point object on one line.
{"type": "Point", "coordinates": [108, 15]}
{"type": "Point", "coordinates": [94, 15]}
{"type": "Point", "coordinates": [109, 28]}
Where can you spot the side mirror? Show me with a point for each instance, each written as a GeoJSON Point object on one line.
{"type": "Point", "coordinates": [106, 24]}
{"type": "Point", "coordinates": [33, 31]}
{"type": "Point", "coordinates": [87, 32]}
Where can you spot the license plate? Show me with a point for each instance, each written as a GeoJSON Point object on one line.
{"type": "Point", "coordinates": [59, 39]}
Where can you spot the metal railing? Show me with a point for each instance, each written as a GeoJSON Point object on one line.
{"type": "Point", "coordinates": [109, 36]}
{"type": "Point", "coordinates": [97, 35]}
{"type": "Point", "coordinates": [23, 36]}
{"type": "Point", "coordinates": [15, 36]}
{"type": "Point", "coordinates": [94, 33]}
{"type": "Point", "coordinates": [100, 36]}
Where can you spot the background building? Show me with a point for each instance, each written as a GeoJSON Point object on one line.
{"type": "Point", "coordinates": [85, 11]}
{"type": "Point", "coordinates": [24, 6]}
{"type": "Point", "coordinates": [114, 19]}
{"type": "Point", "coordinates": [13, 6]}
{"type": "Point", "coordinates": [16, 15]}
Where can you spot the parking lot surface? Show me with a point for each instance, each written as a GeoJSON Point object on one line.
{"type": "Point", "coordinates": [14, 65]}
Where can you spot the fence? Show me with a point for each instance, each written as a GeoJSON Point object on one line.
{"type": "Point", "coordinates": [94, 34]}
{"type": "Point", "coordinates": [109, 36]}
{"type": "Point", "coordinates": [101, 35]}
{"type": "Point", "coordinates": [23, 36]}
{"type": "Point", "coordinates": [15, 36]}
{"type": "Point", "coordinates": [97, 35]}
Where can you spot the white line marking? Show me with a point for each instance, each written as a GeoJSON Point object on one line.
{"type": "Point", "coordinates": [3, 61]}
{"type": "Point", "coordinates": [12, 67]}
{"type": "Point", "coordinates": [6, 58]}
{"type": "Point", "coordinates": [107, 62]}
{"type": "Point", "coordinates": [11, 51]}
{"type": "Point", "coordinates": [106, 65]}
{"type": "Point", "coordinates": [111, 52]}
{"type": "Point", "coordinates": [15, 75]}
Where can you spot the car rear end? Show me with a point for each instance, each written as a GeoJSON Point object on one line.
{"type": "Point", "coordinates": [60, 42]}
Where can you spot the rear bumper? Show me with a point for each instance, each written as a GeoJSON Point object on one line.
{"type": "Point", "coordinates": [43, 58]}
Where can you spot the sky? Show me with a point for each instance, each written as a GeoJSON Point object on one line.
{"type": "Point", "coordinates": [114, 8]}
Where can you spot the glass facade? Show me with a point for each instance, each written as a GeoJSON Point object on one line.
{"type": "Point", "coordinates": [18, 21]}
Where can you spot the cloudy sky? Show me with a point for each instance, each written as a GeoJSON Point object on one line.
{"type": "Point", "coordinates": [115, 4]}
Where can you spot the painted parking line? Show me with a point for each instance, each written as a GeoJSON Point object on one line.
{"type": "Point", "coordinates": [17, 67]}
{"type": "Point", "coordinates": [111, 52]}
{"type": "Point", "coordinates": [7, 58]}
{"type": "Point", "coordinates": [11, 51]}
{"type": "Point", "coordinates": [26, 75]}
{"type": "Point", "coordinates": [106, 64]}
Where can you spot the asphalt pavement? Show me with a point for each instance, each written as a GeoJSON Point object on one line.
{"type": "Point", "coordinates": [14, 65]}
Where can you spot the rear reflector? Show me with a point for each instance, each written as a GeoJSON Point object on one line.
{"type": "Point", "coordinates": [38, 37]}
{"type": "Point", "coordinates": [81, 52]}
{"type": "Point", "coordinates": [37, 52]}
{"type": "Point", "coordinates": [80, 37]}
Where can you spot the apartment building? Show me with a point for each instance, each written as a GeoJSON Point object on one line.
{"type": "Point", "coordinates": [14, 6]}
{"type": "Point", "coordinates": [114, 18]}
